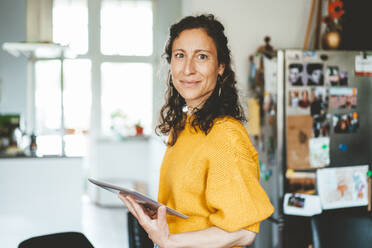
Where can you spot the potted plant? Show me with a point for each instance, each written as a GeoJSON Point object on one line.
{"type": "Point", "coordinates": [119, 125]}
{"type": "Point", "coordinates": [139, 129]}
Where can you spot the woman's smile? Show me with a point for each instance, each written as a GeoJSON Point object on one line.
{"type": "Point", "coordinates": [190, 83]}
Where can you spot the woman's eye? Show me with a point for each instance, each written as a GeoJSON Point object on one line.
{"type": "Point", "coordinates": [202, 56]}
{"type": "Point", "coordinates": [178, 55]}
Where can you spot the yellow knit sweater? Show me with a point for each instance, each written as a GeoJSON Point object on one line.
{"type": "Point", "coordinates": [214, 179]}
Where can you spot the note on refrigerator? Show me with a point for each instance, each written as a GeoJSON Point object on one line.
{"type": "Point", "coordinates": [319, 152]}
{"type": "Point", "coordinates": [363, 66]}
{"type": "Point", "coordinates": [341, 187]}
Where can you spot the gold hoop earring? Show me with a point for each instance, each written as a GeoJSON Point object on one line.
{"type": "Point", "coordinates": [170, 83]}
{"type": "Point", "coordinates": [172, 90]}
{"type": "Point", "coordinates": [219, 84]}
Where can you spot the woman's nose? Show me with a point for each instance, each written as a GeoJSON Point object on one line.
{"type": "Point", "coordinates": [189, 67]}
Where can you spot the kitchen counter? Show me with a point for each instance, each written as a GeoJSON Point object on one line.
{"type": "Point", "coordinates": [40, 195]}
{"type": "Point", "coordinates": [4, 156]}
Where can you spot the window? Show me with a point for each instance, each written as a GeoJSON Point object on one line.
{"type": "Point", "coordinates": [117, 54]}
{"type": "Point", "coordinates": [47, 96]}
{"type": "Point", "coordinates": [126, 28]}
{"type": "Point", "coordinates": [122, 83]}
{"type": "Point", "coordinates": [76, 106]}
{"type": "Point", "coordinates": [48, 107]}
{"type": "Point", "coordinates": [70, 24]}
{"type": "Point", "coordinates": [126, 87]}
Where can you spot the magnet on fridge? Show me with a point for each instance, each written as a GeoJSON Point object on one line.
{"type": "Point", "coordinates": [268, 175]}
{"type": "Point", "coordinates": [369, 173]}
{"type": "Point", "coordinates": [342, 147]}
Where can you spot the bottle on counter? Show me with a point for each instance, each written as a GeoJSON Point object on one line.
{"type": "Point", "coordinates": [33, 145]}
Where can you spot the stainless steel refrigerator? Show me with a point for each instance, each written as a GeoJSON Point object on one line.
{"type": "Point", "coordinates": [316, 113]}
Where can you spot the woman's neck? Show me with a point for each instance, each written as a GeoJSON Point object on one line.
{"type": "Point", "coordinates": [193, 106]}
{"type": "Point", "coordinates": [190, 110]}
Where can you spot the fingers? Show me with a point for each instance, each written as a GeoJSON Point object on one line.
{"type": "Point", "coordinates": [152, 213]}
{"type": "Point", "coordinates": [162, 215]}
{"type": "Point", "coordinates": [142, 216]}
{"type": "Point", "coordinates": [128, 204]}
{"type": "Point", "coordinates": [162, 211]}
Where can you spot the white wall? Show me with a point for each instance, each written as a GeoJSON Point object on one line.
{"type": "Point", "coordinates": [247, 22]}
{"type": "Point", "coordinates": [13, 71]}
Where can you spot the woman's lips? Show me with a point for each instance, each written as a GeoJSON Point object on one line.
{"type": "Point", "coordinates": [189, 83]}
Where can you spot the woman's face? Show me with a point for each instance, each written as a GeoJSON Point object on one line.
{"type": "Point", "coordinates": [194, 66]}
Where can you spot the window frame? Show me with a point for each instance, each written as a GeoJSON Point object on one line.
{"type": "Point", "coordinates": [97, 58]}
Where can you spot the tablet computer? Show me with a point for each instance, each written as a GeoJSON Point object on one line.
{"type": "Point", "coordinates": [140, 198]}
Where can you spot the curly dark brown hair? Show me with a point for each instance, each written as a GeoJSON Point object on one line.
{"type": "Point", "coordinates": [224, 98]}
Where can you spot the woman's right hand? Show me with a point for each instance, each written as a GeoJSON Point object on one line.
{"type": "Point", "coordinates": [156, 227]}
{"type": "Point", "coordinates": [147, 209]}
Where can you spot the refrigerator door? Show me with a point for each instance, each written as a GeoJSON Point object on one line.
{"type": "Point", "coordinates": [341, 116]}
{"type": "Point", "coordinates": [351, 148]}
{"type": "Point", "coordinates": [345, 109]}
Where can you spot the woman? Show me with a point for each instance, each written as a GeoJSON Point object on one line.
{"type": "Point", "coordinates": [210, 168]}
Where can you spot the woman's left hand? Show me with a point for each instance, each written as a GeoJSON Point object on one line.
{"type": "Point", "coordinates": [156, 228]}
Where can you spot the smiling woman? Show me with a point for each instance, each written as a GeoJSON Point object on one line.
{"type": "Point", "coordinates": [208, 56]}
{"type": "Point", "coordinates": [210, 168]}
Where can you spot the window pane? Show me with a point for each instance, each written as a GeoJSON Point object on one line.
{"type": "Point", "coordinates": [126, 88]}
{"type": "Point", "coordinates": [77, 94]}
{"type": "Point", "coordinates": [49, 145]}
{"type": "Point", "coordinates": [76, 145]}
{"type": "Point", "coordinates": [126, 27]}
{"type": "Point", "coordinates": [70, 24]}
{"type": "Point", "coordinates": [47, 96]}
{"type": "Point", "coordinates": [77, 104]}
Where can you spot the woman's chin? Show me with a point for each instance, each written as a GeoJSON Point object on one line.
{"type": "Point", "coordinates": [189, 96]}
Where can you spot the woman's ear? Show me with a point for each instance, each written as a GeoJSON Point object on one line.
{"type": "Point", "coordinates": [221, 69]}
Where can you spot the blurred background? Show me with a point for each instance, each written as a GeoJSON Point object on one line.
{"type": "Point", "coordinates": [81, 86]}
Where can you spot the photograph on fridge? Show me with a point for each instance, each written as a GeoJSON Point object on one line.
{"type": "Point", "coordinates": [299, 101]}
{"type": "Point", "coordinates": [346, 123]}
{"type": "Point", "coordinates": [314, 75]}
{"type": "Point", "coordinates": [305, 74]}
{"type": "Point", "coordinates": [343, 98]}
{"type": "Point", "coordinates": [333, 75]}
{"type": "Point", "coordinates": [336, 77]}
{"type": "Point", "coordinates": [319, 111]}
{"type": "Point", "coordinates": [344, 78]}
{"type": "Point", "coordinates": [295, 74]}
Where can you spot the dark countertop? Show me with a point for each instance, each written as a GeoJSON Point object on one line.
{"type": "Point", "coordinates": [5, 156]}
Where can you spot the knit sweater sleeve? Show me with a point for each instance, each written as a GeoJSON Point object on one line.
{"type": "Point", "coordinates": [234, 196]}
